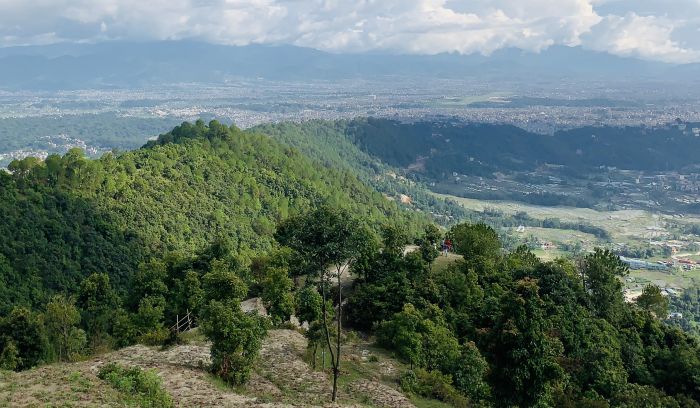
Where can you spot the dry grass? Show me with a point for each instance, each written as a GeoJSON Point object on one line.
{"type": "Point", "coordinates": [281, 378]}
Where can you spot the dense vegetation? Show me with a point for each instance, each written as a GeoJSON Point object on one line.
{"type": "Point", "coordinates": [97, 254]}
{"type": "Point", "coordinates": [510, 330]}
{"type": "Point", "coordinates": [482, 149]}
{"type": "Point", "coordinates": [327, 142]}
{"type": "Point", "coordinates": [68, 217]}
{"type": "Point", "coordinates": [687, 304]}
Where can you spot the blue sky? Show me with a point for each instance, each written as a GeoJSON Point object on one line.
{"type": "Point", "coordinates": [663, 30]}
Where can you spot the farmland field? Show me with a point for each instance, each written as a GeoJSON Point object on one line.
{"type": "Point", "coordinates": [637, 228]}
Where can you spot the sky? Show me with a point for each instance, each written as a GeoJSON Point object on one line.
{"type": "Point", "coordinates": [661, 30]}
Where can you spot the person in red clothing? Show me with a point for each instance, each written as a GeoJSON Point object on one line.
{"type": "Point", "coordinates": [448, 246]}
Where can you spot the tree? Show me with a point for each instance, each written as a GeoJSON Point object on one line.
{"type": "Point", "coordinates": [402, 333]}
{"type": "Point", "coordinates": [635, 395]}
{"type": "Point", "coordinates": [236, 336]}
{"type": "Point", "coordinates": [440, 346]}
{"type": "Point", "coordinates": [123, 329]}
{"type": "Point", "coordinates": [331, 240]}
{"type": "Point", "coordinates": [23, 338]}
{"type": "Point", "coordinates": [236, 339]}
{"type": "Point", "coordinates": [308, 309]}
{"type": "Point", "coordinates": [600, 273]}
{"type": "Point", "coordinates": [470, 372]}
{"type": "Point", "coordinates": [9, 357]}
{"type": "Point", "coordinates": [186, 295]}
{"type": "Point", "coordinates": [475, 240]}
{"type": "Point", "coordinates": [149, 280]}
{"type": "Point", "coordinates": [148, 320]}
{"type": "Point", "coordinates": [429, 244]}
{"type": "Point", "coordinates": [477, 243]}
{"type": "Point", "coordinates": [98, 302]}
{"type": "Point", "coordinates": [277, 296]}
{"type": "Point", "coordinates": [394, 240]}
{"type": "Point", "coordinates": [221, 283]}
{"type": "Point", "coordinates": [61, 319]}
{"type": "Point", "coordinates": [308, 304]}
{"type": "Point", "coordinates": [523, 354]}
{"type": "Point", "coordinates": [652, 300]}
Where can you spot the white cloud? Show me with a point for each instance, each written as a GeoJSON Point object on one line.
{"type": "Point", "coordinates": [648, 37]}
{"type": "Point", "coordinates": [643, 28]}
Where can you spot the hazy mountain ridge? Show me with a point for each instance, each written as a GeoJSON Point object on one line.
{"type": "Point", "coordinates": [125, 64]}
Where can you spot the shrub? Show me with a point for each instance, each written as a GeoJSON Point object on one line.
{"type": "Point", "coordinates": [144, 387]}
{"type": "Point", "coordinates": [9, 357]}
{"type": "Point", "coordinates": [433, 384]}
{"type": "Point", "coordinates": [156, 337]}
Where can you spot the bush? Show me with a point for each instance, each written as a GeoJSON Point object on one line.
{"type": "Point", "coordinates": [174, 339]}
{"type": "Point", "coordinates": [433, 384]}
{"type": "Point", "coordinates": [236, 339]}
{"type": "Point", "coordinates": [144, 387]}
{"type": "Point", "coordinates": [9, 357]}
{"type": "Point", "coordinates": [156, 337]}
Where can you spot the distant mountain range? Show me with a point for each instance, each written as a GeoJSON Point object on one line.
{"type": "Point", "coordinates": [130, 64]}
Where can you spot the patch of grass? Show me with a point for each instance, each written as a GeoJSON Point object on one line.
{"type": "Point", "coordinates": [432, 384]}
{"type": "Point", "coordinates": [193, 336]}
{"type": "Point", "coordinates": [421, 402]}
{"type": "Point", "coordinates": [443, 262]}
{"type": "Point", "coordinates": [79, 383]}
{"type": "Point", "coordinates": [222, 385]}
{"type": "Point", "coordinates": [352, 370]}
{"type": "Point", "coordinates": [143, 387]}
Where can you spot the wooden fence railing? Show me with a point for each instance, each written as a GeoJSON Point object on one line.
{"type": "Point", "coordinates": [184, 323]}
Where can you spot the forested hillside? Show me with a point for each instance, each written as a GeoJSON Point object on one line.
{"type": "Point", "coordinates": [506, 329]}
{"type": "Point", "coordinates": [439, 148]}
{"type": "Point", "coordinates": [101, 254]}
{"type": "Point", "coordinates": [69, 216]}
{"type": "Point", "coordinates": [327, 142]}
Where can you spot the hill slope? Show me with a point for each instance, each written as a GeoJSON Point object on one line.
{"type": "Point", "coordinates": [330, 143]}
{"type": "Point", "coordinates": [68, 217]}
{"type": "Point", "coordinates": [282, 379]}
{"type": "Point", "coordinates": [442, 147]}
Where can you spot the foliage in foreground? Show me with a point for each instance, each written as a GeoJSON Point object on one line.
{"type": "Point", "coordinates": [236, 336]}
{"type": "Point", "coordinates": [507, 329]}
{"type": "Point", "coordinates": [143, 387]}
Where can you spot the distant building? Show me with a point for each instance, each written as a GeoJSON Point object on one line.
{"type": "Point", "coordinates": [640, 264]}
{"type": "Point", "coordinates": [548, 246]}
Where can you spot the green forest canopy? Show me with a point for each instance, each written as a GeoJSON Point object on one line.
{"type": "Point", "coordinates": [131, 240]}
{"type": "Point", "coordinates": [69, 216]}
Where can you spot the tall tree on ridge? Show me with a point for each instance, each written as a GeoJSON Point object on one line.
{"type": "Point", "coordinates": [332, 240]}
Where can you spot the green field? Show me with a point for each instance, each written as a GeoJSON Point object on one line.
{"type": "Point", "coordinates": [631, 227]}
{"type": "Point", "coordinates": [626, 226]}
